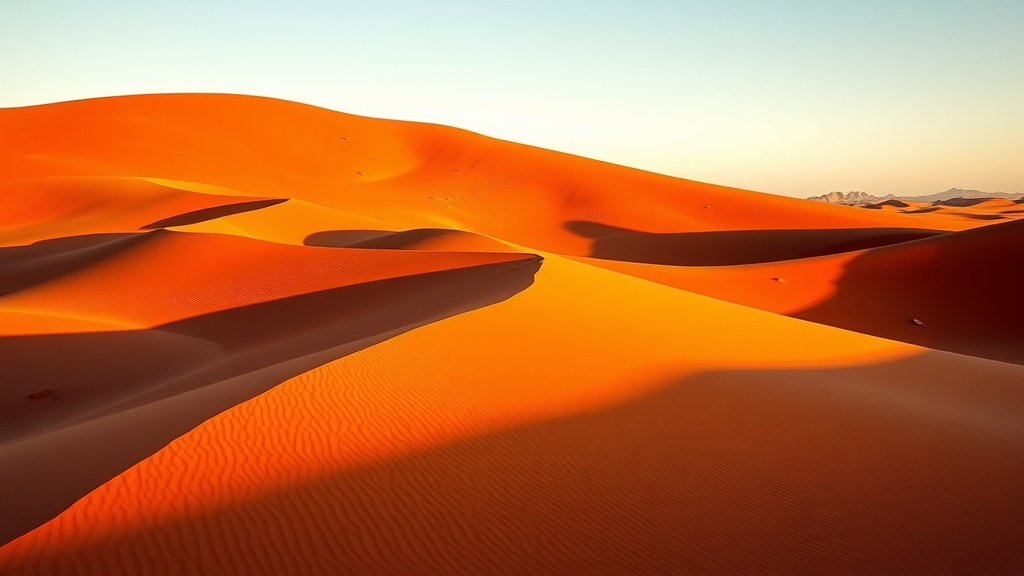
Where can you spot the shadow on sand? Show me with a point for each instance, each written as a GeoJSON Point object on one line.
{"type": "Point", "coordinates": [965, 289]}
{"type": "Point", "coordinates": [961, 202]}
{"type": "Point", "coordinates": [905, 467]}
{"type": "Point", "coordinates": [377, 239]}
{"type": "Point", "coordinates": [725, 248]}
{"type": "Point", "coordinates": [27, 266]}
{"type": "Point", "coordinates": [197, 216]}
{"type": "Point", "coordinates": [131, 392]}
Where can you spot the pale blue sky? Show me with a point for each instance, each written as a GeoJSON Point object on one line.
{"type": "Point", "coordinates": [788, 97]}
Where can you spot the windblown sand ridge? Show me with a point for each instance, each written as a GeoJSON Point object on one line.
{"type": "Point", "coordinates": [269, 338]}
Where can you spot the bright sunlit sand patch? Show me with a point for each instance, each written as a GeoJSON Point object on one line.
{"type": "Point", "coordinates": [632, 338]}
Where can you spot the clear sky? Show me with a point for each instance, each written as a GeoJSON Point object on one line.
{"type": "Point", "coordinates": [789, 97]}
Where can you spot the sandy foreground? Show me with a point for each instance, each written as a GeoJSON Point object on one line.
{"type": "Point", "coordinates": [247, 336]}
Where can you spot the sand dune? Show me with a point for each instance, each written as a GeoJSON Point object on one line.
{"type": "Point", "coordinates": [730, 247]}
{"type": "Point", "coordinates": [249, 315]}
{"type": "Point", "coordinates": [241, 335]}
{"type": "Point", "coordinates": [949, 214]}
{"type": "Point", "coordinates": [42, 208]}
{"type": "Point", "coordinates": [955, 292]}
{"type": "Point", "coordinates": [420, 239]}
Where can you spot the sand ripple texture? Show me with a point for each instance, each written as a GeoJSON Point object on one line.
{"type": "Point", "coordinates": [247, 336]}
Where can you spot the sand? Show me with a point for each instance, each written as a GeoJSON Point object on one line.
{"type": "Point", "coordinates": [242, 335]}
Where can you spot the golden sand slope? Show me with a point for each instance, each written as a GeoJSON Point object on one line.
{"type": "Point", "coordinates": [164, 316]}
{"type": "Point", "coordinates": [348, 357]}
{"type": "Point", "coordinates": [957, 292]}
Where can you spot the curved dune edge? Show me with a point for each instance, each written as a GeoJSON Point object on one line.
{"type": "Point", "coordinates": [432, 239]}
{"type": "Point", "coordinates": [37, 209]}
{"type": "Point", "coordinates": [157, 277]}
{"type": "Point", "coordinates": [956, 292]}
{"type": "Point", "coordinates": [416, 456]}
{"type": "Point", "coordinates": [200, 345]}
{"type": "Point", "coordinates": [264, 337]}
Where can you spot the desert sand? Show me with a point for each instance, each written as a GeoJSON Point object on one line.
{"type": "Point", "coordinates": [245, 335]}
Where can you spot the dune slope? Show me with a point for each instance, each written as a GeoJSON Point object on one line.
{"type": "Point", "coordinates": [198, 342]}
{"type": "Point", "coordinates": [243, 335]}
{"type": "Point", "coordinates": [668, 454]}
{"type": "Point", "coordinates": [955, 291]}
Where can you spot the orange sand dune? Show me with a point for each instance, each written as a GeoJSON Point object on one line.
{"type": "Point", "coordinates": [406, 174]}
{"type": "Point", "coordinates": [614, 438]}
{"type": "Point", "coordinates": [956, 292]}
{"type": "Point", "coordinates": [235, 317]}
{"type": "Point", "coordinates": [957, 209]}
{"type": "Point", "coordinates": [46, 208]}
{"type": "Point", "coordinates": [242, 335]}
{"type": "Point", "coordinates": [730, 247]}
{"type": "Point", "coordinates": [162, 276]}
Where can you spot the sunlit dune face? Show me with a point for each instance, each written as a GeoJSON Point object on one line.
{"type": "Point", "coordinates": [42, 208]}
{"type": "Point", "coordinates": [427, 403]}
{"type": "Point", "coordinates": [291, 152]}
{"type": "Point", "coordinates": [166, 276]}
{"type": "Point", "coordinates": [243, 335]}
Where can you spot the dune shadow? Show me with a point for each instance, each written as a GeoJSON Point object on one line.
{"type": "Point", "coordinates": [197, 216]}
{"type": "Point", "coordinates": [377, 239]}
{"type": "Point", "coordinates": [27, 266]}
{"type": "Point", "coordinates": [923, 210]}
{"type": "Point", "coordinates": [733, 247]}
{"type": "Point", "coordinates": [961, 202]}
{"type": "Point", "coordinates": [343, 238]}
{"type": "Point", "coordinates": [858, 470]}
{"type": "Point", "coordinates": [893, 203]}
{"type": "Point", "coordinates": [983, 216]}
{"type": "Point", "coordinates": [131, 392]}
{"type": "Point", "coordinates": [390, 240]}
{"type": "Point", "coordinates": [964, 289]}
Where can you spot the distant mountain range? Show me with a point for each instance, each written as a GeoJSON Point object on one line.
{"type": "Point", "coordinates": [858, 198]}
